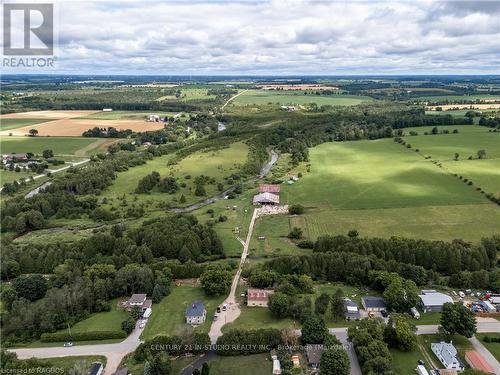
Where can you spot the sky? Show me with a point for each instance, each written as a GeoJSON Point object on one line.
{"type": "Point", "coordinates": [277, 37]}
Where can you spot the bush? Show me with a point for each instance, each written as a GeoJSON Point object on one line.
{"type": "Point", "coordinates": [306, 244]}
{"type": "Point", "coordinates": [296, 209]}
{"type": "Point", "coordinates": [82, 336]}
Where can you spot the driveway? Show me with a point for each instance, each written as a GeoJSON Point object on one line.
{"type": "Point", "coordinates": [341, 334]}
{"type": "Point", "coordinates": [481, 349]}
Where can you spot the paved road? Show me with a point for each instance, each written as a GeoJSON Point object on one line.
{"type": "Point", "coordinates": [341, 334]}
{"type": "Point", "coordinates": [479, 347]}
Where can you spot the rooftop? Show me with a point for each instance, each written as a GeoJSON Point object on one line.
{"type": "Point", "coordinates": [314, 352]}
{"type": "Point", "coordinates": [259, 294]}
{"type": "Point", "coordinates": [266, 198]}
{"type": "Point", "coordinates": [137, 298]}
{"type": "Point", "coordinates": [269, 188]}
{"type": "Point", "coordinates": [195, 309]}
{"type": "Point", "coordinates": [373, 302]}
{"type": "Point", "coordinates": [435, 298]}
{"type": "Point", "coordinates": [477, 362]}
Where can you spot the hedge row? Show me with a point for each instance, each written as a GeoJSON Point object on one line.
{"type": "Point", "coordinates": [82, 336]}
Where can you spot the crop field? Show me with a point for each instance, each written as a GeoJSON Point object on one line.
{"type": "Point", "coordinates": [293, 97]}
{"type": "Point", "coordinates": [60, 146]}
{"type": "Point", "coordinates": [126, 115]}
{"type": "Point", "coordinates": [381, 189]}
{"type": "Point", "coordinates": [14, 123]}
{"type": "Point", "coordinates": [48, 115]}
{"type": "Point", "coordinates": [458, 98]}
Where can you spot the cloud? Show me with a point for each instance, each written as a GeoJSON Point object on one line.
{"type": "Point", "coordinates": [278, 37]}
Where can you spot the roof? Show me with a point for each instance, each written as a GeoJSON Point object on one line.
{"type": "Point", "coordinates": [370, 301]}
{"type": "Point", "coordinates": [477, 361]}
{"type": "Point", "coordinates": [435, 299]}
{"type": "Point", "coordinates": [137, 298]}
{"type": "Point", "coordinates": [195, 309]}
{"type": "Point", "coordinates": [447, 351]}
{"type": "Point", "coordinates": [147, 304]}
{"type": "Point", "coordinates": [96, 367]}
{"type": "Point", "coordinates": [266, 198]}
{"type": "Point", "coordinates": [269, 188]}
{"type": "Point", "coordinates": [122, 371]}
{"type": "Point", "coordinates": [258, 294]}
{"type": "Point", "coordinates": [314, 352]}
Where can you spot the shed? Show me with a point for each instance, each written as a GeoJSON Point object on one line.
{"type": "Point", "coordinates": [371, 303]}
{"type": "Point", "coordinates": [96, 369]}
{"type": "Point", "coordinates": [351, 310]}
{"type": "Point", "coordinates": [258, 297]}
{"type": "Point", "coordinates": [269, 188]}
{"type": "Point", "coordinates": [266, 198]}
{"type": "Point", "coordinates": [432, 301]}
{"type": "Point", "coordinates": [477, 362]}
{"type": "Point", "coordinates": [276, 367]}
{"type": "Point", "coordinates": [147, 313]}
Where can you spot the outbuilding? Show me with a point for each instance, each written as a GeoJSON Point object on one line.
{"type": "Point", "coordinates": [432, 301]}
{"type": "Point", "coordinates": [372, 304]}
{"type": "Point", "coordinates": [477, 362]}
{"type": "Point", "coordinates": [351, 310]}
{"type": "Point", "coordinates": [258, 297]}
{"type": "Point", "coordinates": [266, 198]}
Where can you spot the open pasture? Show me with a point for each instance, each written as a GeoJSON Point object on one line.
{"type": "Point", "coordinates": [14, 123]}
{"type": "Point", "coordinates": [126, 115]}
{"type": "Point", "coordinates": [48, 115]}
{"type": "Point", "coordinates": [456, 98]}
{"type": "Point", "coordinates": [35, 145]}
{"type": "Point", "coordinates": [75, 127]}
{"type": "Point", "coordinates": [251, 97]}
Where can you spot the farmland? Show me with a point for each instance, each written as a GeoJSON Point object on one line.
{"type": "Point", "coordinates": [457, 98]}
{"type": "Point", "coordinates": [60, 146]}
{"type": "Point", "coordinates": [14, 123]}
{"type": "Point", "coordinates": [257, 97]}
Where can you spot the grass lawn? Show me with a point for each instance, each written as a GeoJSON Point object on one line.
{"type": "Point", "coordinates": [294, 97]}
{"type": "Point", "coordinates": [14, 123]}
{"type": "Point", "coordinates": [11, 176]}
{"type": "Point", "coordinates": [60, 145]}
{"type": "Point", "coordinates": [259, 317]}
{"type": "Point", "coordinates": [62, 365]}
{"type": "Point", "coordinates": [168, 316]}
{"type": "Point", "coordinates": [383, 189]}
{"type": "Point", "coordinates": [406, 362]}
{"type": "Point", "coordinates": [493, 347]}
{"type": "Point", "coordinates": [256, 364]}
{"type": "Point", "coordinates": [461, 343]}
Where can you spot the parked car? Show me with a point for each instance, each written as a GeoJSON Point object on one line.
{"type": "Point", "coordinates": [141, 325]}
{"type": "Point", "coordinates": [218, 309]}
{"type": "Point", "coordinates": [68, 344]}
{"type": "Point", "coordinates": [215, 317]}
{"type": "Point", "coordinates": [224, 307]}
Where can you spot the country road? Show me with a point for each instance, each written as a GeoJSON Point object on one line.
{"type": "Point", "coordinates": [232, 98]}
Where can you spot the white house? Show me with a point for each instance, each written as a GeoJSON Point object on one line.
{"type": "Point", "coordinates": [447, 354]}
{"type": "Point", "coordinates": [196, 313]}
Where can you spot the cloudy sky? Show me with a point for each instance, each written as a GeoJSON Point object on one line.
{"type": "Point", "coordinates": [279, 37]}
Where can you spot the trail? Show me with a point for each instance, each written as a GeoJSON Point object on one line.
{"type": "Point", "coordinates": [232, 98]}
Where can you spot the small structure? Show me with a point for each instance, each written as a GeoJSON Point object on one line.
{"type": "Point", "coordinates": [196, 313]}
{"type": "Point", "coordinates": [314, 352]}
{"type": "Point", "coordinates": [266, 198]}
{"type": "Point", "coordinates": [258, 297]}
{"type": "Point", "coordinates": [414, 312]}
{"type": "Point", "coordinates": [372, 304]}
{"type": "Point", "coordinates": [495, 299]}
{"type": "Point", "coordinates": [477, 362]}
{"type": "Point", "coordinates": [153, 118]}
{"type": "Point", "coordinates": [269, 188]}
{"type": "Point", "coordinates": [147, 313]}
{"type": "Point", "coordinates": [432, 301]}
{"type": "Point", "coordinates": [488, 306]}
{"type": "Point", "coordinates": [107, 109]}
{"type": "Point", "coordinates": [351, 310]}
{"type": "Point", "coordinates": [447, 354]}
{"type": "Point", "coordinates": [137, 300]}
{"type": "Point", "coordinates": [421, 370]}
{"type": "Point", "coordinates": [96, 369]}
{"type": "Point", "coordinates": [296, 361]}
{"type": "Point", "coordinates": [122, 371]}
{"type": "Point", "coordinates": [276, 363]}
{"type": "Point", "coordinates": [447, 372]}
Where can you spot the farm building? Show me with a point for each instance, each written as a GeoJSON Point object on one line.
{"type": "Point", "coordinates": [447, 354]}
{"type": "Point", "coordinates": [373, 303]}
{"type": "Point", "coordinates": [266, 198]}
{"type": "Point", "coordinates": [153, 118]}
{"type": "Point", "coordinates": [351, 310]}
{"type": "Point", "coordinates": [269, 188]}
{"type": "Point", "coordinates": [137, 300]}
{"type": "Point", "coordinates": [477, 362]}
{"type": "Point", "coordinates": [196, 313]}
{"type": "Point", "coordinates": [314, 352]}
{"type": "Point", "coordinates": [432, 301]}
{"type": "Point", "coordinates": [258, 297]}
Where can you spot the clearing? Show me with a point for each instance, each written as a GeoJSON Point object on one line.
{"type": "Point", "coordinates": [294, 97]}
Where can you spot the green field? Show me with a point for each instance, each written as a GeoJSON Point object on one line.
{"type": "Point", "coordinates": [14, 123]}
{"type": "Point", "coordinates": [293, 97]}
{"type": "Point", "coordinates": [383, 189]}
{"type": "Point", "coordinates": [60, 145]}
{"type": "Point", "coordinates": [11, 176]}
{"type": "Point", "coordinates": [63, 365]}
{"type": "Point", "coordinates": [126, 115]}
{"type": "Point", "coordinates": [453, 98]}
{"type": "Point", "coordinates": [168, 316]}
{"type": "Point", "coordinates": [493, 347]}
{"type": "Point", "coordinates": [257, 364]}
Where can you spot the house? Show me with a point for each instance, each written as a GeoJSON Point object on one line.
{"type": "Point", "coordinates": [153, 118]}
{"type": "Point", "coordinates": [447, 354]}
{"type": "Point", "coordinates": [96, 369]}
{"type": "Point", "coordinates": [477, 362]}
{"type": "Point", "coordinates": [351, 310]}
{"type": "Point", "coordinates": [107, 109]}
{"type": "Point", "coordinates": [432, 301]}
{"type": "Point", "coordinates": [372, 304]}
{"type": "Point", "coordinates": [137, 300]}
{"type": "Point", "coordinates": [122, 371]}
{"type": "Point", "coordinates": [314, 352]}
{"type": "Point", "coordinates": [266, 198]}
{"type": "Point", "coordinates": [10, 158]}
{"type": "Point", "coordinates": [269, 188]}
{"type": "Point", "coordinates": [258, 297]}
{"type": "Point", "coordinates": [196, 313]}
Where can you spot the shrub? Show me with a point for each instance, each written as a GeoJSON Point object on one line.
{"type": "Point", "coordinates": [82, 336]}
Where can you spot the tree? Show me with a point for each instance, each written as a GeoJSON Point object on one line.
{"type": "Point", "coordinates": [335, 361]}
{"type": "Point", "coordinates": [353, 233]}
{"type": "Point", "coordinates": [314, 330]}
{"type": "Point", "coordinates": [321, 303]}
{"type": "Point", "coordinates": [31, 287]}
{"type": "Point", "coordinates": [33, 132]}
{"type": "Point", "coordinates": [215, 282]}
{"type": "Point", "coordinates": [456, 156]}
{"type": "Point", "coordinates": [400, 333]}
{"type": "Point", "coordinates": [168, 185]}
{"type": "Point", "coordinates": [128, 325]}
{"type": "Point", "coordinates": [205, 369]}
{"type": "Point", "coordinates": [279, 304]}
{"type": "Point", "coordinates": [296, 209]}
{"type": "Point", "coordinates": [160, 364]}
{"type": "Point", "coordinates": [182, 199]}
{"type": "Point", "coordinates": [136, 312]}
{"type": "Point", "coordinates": [458, 319]}
{"type": "Point", "coordinates": [481, 154]}
{"type": "Point", "coordinates": [337, 304]}
{"type": "Point", "coordinates": [401, 295]}
{"type": "Point", "coordinates": [296, 233]}
{"type": "Point", "coordinates": [200, 190]}
{"type": "Point", "coordinates": [47, 154]}
{"type": "Point", "coordinates": [434, 130]}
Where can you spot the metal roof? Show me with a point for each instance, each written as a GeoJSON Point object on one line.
{"type": "Point", "coordinates": [195, 309]}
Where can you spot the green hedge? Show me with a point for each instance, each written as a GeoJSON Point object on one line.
{"type": "Point", "coordinates": [82, 336]}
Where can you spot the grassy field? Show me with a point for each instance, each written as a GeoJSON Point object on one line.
{"type": "Point", "coordinates": [14, 123]}
{"type": "Point", "coordinates": [168, 316]}
{"type": "Point", "coordinates": [11, 176]}
{"type": "Point", "coordinates": [457, 98]}
{"type": "Point", "coordinates": [126, 115]}
{"type": "Point", "coordinates": [60, 146]}
{"type": "Point", "coordinates": [493, 347]}
{"type": "Point", "coordinates": [62, 365]}
{"type": "Point", "coordinates": [293, 97]}
{"type": "Point", "coordinates": [256, 364]}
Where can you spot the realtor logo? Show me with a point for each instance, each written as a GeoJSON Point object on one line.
{"type": "Point", "coordinates": [28, 29]}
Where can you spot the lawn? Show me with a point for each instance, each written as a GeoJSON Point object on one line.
{"type": "Point", "coordinates": [35, 145]}
{"type": "Point", "coordinates": [493, 347]}
{"type": "Point", "coordinates": [62, 365]}
{"type": "Point", "coordinates": [259, 317]}
{"type": "Point", "coordinates": [168, 316]}
{"type": "Point", "coordinates": [293, 97]}
{"type": "Point", "coordinates": [14, 123]}
{"type": "Point", "coordinates": [11, 176]}
{"type": "Point", "coordinates": [382, 189]}
{"type": "Point", "coordinates": [406, 362]}
{"type": "Point", "coordinates": [256, 364]}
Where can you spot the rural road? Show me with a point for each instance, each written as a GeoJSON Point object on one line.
{"type": "Point", "coordinates": [480, 348]}
{"type": "Point", "coordinates": [232, 98]}
{"type": "Point", "coordinates": [341, 334]}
